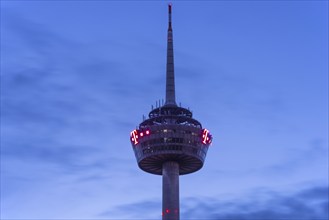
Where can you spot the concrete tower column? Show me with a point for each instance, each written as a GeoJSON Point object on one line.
{"type": "Point", "coordinates": [170, 191]}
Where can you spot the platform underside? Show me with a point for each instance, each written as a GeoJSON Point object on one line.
{"type": "Point", "coordinates": [187, 164]}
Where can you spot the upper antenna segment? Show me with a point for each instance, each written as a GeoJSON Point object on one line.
{"type": "Point", "coordinates": [170, 76]}
{"type": "Point", "coordinates": [169, 13]}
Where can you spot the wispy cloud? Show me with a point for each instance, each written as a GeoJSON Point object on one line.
{"type": "Point", "coordinates": [310, 203]}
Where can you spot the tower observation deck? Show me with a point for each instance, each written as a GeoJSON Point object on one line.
{"type": "Point", "coordinates": [170, 142]}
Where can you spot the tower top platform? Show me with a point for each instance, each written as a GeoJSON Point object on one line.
{"type": "Point", "coordinates": [170, 133]}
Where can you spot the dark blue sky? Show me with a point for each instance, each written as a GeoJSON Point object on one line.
{"type": "Point", "coordinates": [77, 76]}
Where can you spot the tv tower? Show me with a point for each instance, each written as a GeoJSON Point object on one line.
{"type": "Point", "coordinates": [170, 142]}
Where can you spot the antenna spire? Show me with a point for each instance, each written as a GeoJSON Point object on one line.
{"type": "Point", "coordinates": [170, 76]}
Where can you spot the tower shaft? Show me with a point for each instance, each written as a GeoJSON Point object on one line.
{"type": "Point", "coordinates": [170, 190]}
{"type": "Point", "coordinates": [170, 76]}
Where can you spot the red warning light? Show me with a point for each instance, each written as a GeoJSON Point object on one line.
{"type": "Point", "coordinates": [167, 210]}
{"type": "Point", "coordinates": [135, 135]}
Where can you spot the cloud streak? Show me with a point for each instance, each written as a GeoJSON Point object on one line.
{"type": "Point", "coordinates": [307, 204]}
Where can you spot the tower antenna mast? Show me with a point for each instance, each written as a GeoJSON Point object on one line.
{"type": "Point", "coordinates": [170, 74]}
